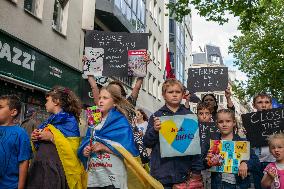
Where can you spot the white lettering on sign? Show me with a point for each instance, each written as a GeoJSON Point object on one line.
{"type": "Point", "coordinates": [17, 56]}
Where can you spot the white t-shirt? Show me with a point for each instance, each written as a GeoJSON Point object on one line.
{"type": "Point", "coordinates": [106, 169]}
{"type": "Point", "coordinates": [142, 127]}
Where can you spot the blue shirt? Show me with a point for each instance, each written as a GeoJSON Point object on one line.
{"type": "Point", "coordinates": [15, 147]}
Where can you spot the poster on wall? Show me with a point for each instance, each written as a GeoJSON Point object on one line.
{"type": "Point", "coordinates": [179, 136]}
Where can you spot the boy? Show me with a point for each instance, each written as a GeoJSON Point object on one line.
{"type": "Point", "coordinates": [15, 148]}
{"type": "Point", "coordinates": [173, 170]}
{"type": "Point", "coordinates": [204, 112]}
{"type": "Point", "coordinates": [262, 102]}
{"type": "Point", "coordinates": [204, 115]}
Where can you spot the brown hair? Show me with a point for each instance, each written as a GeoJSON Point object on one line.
{"type": "Point", "coordinates": [145, 117]}
{"type": "Point", "coordinates": [118, 83]}
{"type": "Point", "coordinates": [171, 82]}
{"type": "Point", "coordinates": [228, 111]}
{"type": "Point", "coordinates": [14, 102]}
{"type": "Point", "coordinates": [122, 105]}
{"type": "Point", "coordinates": [262, 95]}
{"type": "Point", "coordinates": [275, 136]}
{"type": "Point", "coordinates": [68, 100]}
{"type": "Point", "coordinates": [204, 105]}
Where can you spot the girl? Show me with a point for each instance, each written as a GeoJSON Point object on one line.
{"type": "Point", "coordinates": [105, 166]}
{"type": "Point", "coordinates": [55, 163]}
{"type": "Point", "coordinates": [141, 121]}
{"type": "Point", "coordinates": [274, 172]}
{"type": "Point", "coordinates": [226, 123]}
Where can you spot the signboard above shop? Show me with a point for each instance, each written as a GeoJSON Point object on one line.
{"type": "Point", "coordinates": [20, 61]}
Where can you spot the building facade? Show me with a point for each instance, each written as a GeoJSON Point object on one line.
{"type": "Point", "coordinates": [41, 45]}
{"type": "Point", "coordinates": [180, 38]}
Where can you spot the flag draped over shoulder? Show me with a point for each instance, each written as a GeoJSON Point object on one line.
{"type": "Point", "coordinates": [117, 135]}
{"type": "Point", "coordinates": [65, 130]}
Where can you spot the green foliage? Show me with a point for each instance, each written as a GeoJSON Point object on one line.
{"type": "Point", "coordinates": [259, 53]}
{"type": "Point", "coordinates": [249, 11]}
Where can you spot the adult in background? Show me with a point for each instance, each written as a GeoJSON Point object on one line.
{"type": "Point", "coordinates": [29, 124]}
{"type": "Point", "coordinates": [141, 121]}
{"type": "Point", "coordinates": [211, 100]}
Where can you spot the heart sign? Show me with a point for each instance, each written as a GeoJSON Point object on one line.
{"type": "Point", "coordinates": [179, 135]}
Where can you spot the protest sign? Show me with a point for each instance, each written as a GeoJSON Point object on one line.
{"type": "Point", "coordinates": [107, 52]}
{"type": "Point", "coordinates": [207, 79]}
{"type": "Point", "coordinates": [179, 135]}
{"type": "Point", "coordinates": [206, 129]}
{"type": "Point", "coordinates": [233, 152]}
{"type": "Point", "coordinates": [259, 125]}
{"type": "Point", "coordinates": [136, 64]}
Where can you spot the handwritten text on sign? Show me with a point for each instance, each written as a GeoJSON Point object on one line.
{"type": "Point", "coordinates": [179, 136]}
{"type": "Point", "coordinates": [207, 79]}
{"type": "Point", "coordinates": [233, 153]}
{"type": "Point", "coordinates": [259, 125]}
{"type": "Point", "coordinates": [206, 130]}
{"type": "Point", "coordinates": [111, 50]}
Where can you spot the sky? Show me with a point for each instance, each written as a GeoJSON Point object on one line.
{"type": "Point", "coordinates": [205, 32]}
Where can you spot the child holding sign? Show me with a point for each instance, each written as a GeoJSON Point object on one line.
{"type": "Point", "coordinates": [171, 171]}
{"type": "Point", "coordinates": [274, 172]}
{"type": "Point", "coordinates": [226, 123]}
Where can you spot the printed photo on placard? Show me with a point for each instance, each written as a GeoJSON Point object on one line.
{"type": "Point", "coordinates": [94, 63]}
{"type": "Point", "coordinates": [136, 64]}
{"type": "Point", "coordinates": [179, 135]}
{"type": "Point", "coordinates": [232, 152]}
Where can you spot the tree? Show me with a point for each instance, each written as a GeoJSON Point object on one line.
{"type": "Point", "coordinates": [259, 53]}
{"type": "Point", "coordinates": [249, 11]}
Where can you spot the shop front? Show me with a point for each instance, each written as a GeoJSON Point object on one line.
{"type": "Point", "coordinates": [30, 73]}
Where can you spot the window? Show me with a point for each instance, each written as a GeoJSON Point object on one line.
{"type": "Point", "coordinates": [155, 12]}
{"type": "Point", "coordinates": [159, 56]}
{"type": "Point", "coordinates": [159, 92]}
{"type": "Point", "coordinates": [144, 84]}
{"type": "Point", "coordinates": [150, 84]}
{"type": "Point", "coordinates": [150, 44]}
{"type": "Point", "coordinates": [34, 7]}
{"type": "Point", "coordinates": [154, 51]}
{"type": "Point", "coordinates": [172, 26]}
{"type": "Point", "coordinates": [160, 20]}
{"type": "Point", "coordinates": [60, 16]}
{"type": "Point", "coordinates": [154, 87]}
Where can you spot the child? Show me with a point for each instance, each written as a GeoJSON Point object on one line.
{"type": "Point", "coordinates": [173, 170]}
{"type": "Point", "coordinates": [15, 148]}
{"type": "Point", "coordinates": [56, 140]}
{"type": "Point", "coordinates": [204, 115]}
{"type": "Point", "coordinates": [226, 123]}
{"type": "Point", "coordinates": [262, 101]}
{"type": "Point", "coordinates": [274, 172]}
{"type": "Point", "coordinates": [106, 168]}
{"type": "Point", "coordinates": [204, 112]}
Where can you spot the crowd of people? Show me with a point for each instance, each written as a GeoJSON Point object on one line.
{"type": "Point", "coordinates": [53, 155]}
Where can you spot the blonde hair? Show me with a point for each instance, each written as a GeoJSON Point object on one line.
{"type": "Point", "coordinates": [121, 104]}
{"type": "Point", "coordinates": [273, 137]}
{"type": "Point", "coordinates": [171, 82]}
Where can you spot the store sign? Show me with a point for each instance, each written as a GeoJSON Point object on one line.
{"type": "Point", "coordinates": [17, 56]}
{"type": "Point", "coordinates": [22, 62]}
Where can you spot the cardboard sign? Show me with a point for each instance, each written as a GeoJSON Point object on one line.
{"type": "Point", "coordinates": [233, 153]}
{"type": "Point", "coordinates": [207, 79]}
{"type": "Point", "coordinates": [206, 130]}
{"type": "Point", "coordinates": [107, 52]}
{"type": "Point", "coordinates": [136, 64]}
{"type": "Point", "coordinates": [259, 125]}
{"type": "Point", "coordinates": [179, 136]}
